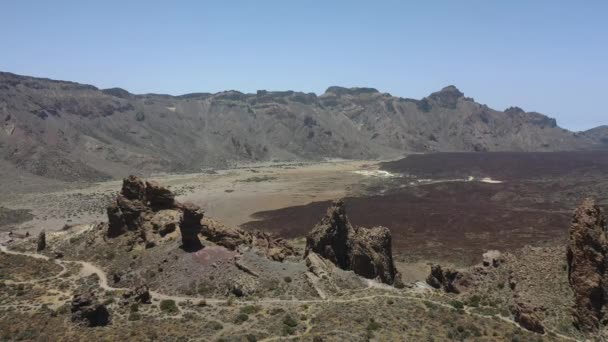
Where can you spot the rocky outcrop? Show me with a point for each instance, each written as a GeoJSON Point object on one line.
{"type": "Point", "coordinates": [449, 280]}
{"type": "Point", "coordinates": [41, 242]}
{"type": "Point", "coordinates": [152, 212]}
{"type": "Point", "coordinates": [587, 266]}
{"type": "Point", "coordinates": [273, 247]}
{"type": "Point", "coordinates": [140, 294]}
{"type": "Point", "coordinates": [88, 311]}
{"type": "Point", "coordinates": [527, 318]}
{"type": "Point", "coordinates": [366, 251]}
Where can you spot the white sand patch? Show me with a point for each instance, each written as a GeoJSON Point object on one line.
{"type": "Point", "coordinates": [375, 173]}
{"type": "Point", "coordinates": [490, 180]}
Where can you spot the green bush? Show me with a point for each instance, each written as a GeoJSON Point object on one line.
{"type": "Point", "coordinates": [373, 326]}
{"type": "Point", "coordinates": [457, 304]}
{"type": "Point", "coordinates": [289, 321]}
{"type": "Point", "coordinates": [250, 309]}
{"type": "Point", "coordinates": [214, 325]}
{"type": "Point", "coordinates": [168, 306]}
{"type": "Point", "coordinates": [240, 318]}
{"type": "Point", "coordinates": [134, 316]}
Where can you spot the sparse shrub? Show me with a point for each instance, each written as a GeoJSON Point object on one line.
{"type": "Point", "coordinates": [474, 300]}
{"type": "Point", "coordinates": [134, 307]}
{"type": "Point", "coordinates": [213, 325]}
{"type": "Point", "coordinates": [108, 301]}
{"type": "Point", "coordinates": [276, 311]}
{"type": "Point", "coordinates": [457, 304]}
{"type": "Point", "coordinates": [289, 321]}
{"type": "Point", "coordinates": [134, 316]}
{"type": "Point", "coordinates": [287, 279]}
{"type": "Point", "coordinates": [250, 309]}
{"type": "Point", "coordinates": [240, 318]}
{"type": "Point", "coordinates": [168, 306]}
{"type": "Point", "coordinates": [373, 326]}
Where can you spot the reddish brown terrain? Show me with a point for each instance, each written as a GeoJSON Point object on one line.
{"type": "Point", "coordinates": [456, 221]}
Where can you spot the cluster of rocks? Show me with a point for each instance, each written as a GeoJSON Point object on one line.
{"type": "Point", "coordinates": [273, 247]}
{"type": "Point", "coordinates": [366, 251]}
{"type": "Point", "coordinates": [88, 311]}
{"type": "Point", "coordinates": [449, 280]}
{"type": "Point", "coordinates": [140, 294]}
{"type": "Point", "coordinates": [588, 266]}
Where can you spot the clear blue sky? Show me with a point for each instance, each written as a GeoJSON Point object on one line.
{"type": "Point", "coordinates": [546, 56]}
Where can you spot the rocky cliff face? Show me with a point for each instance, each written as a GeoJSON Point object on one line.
{"type": "Point", "coordinates": [69, 131]}
{"type": "Point", "coordinates": [588, 266]}
{"type": "Point", "coordinates": [366, 251]}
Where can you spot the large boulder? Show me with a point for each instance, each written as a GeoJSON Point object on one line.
{"type": "Point", "coordinates": [88, 311]}
{"type": "Point", "coordinates": [366, 251]}
{"type": "Point", "coordinates": [588, 266]}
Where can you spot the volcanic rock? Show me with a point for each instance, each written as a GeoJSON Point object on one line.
{"type": "Point", "coordinates": [527, 318]}
{"type": "Point", "coordinates": [191, 226]}
{"type": "Point", "coordinates": [88, 311]}
{"type": "Point", "coordinates": [366, 251]}
{"type": "Point", "coordinates": [133, 188]}
{"type": "Point", "coordinates": [41, 243]}
{"type": "Point", "coordinates": [449, 280]}
{"type": "Point", "coordinates": [151, 210]}
{"type": "Point", "coordinates": [158, 196]}
{"type": "Point", "coordinates": [587, 266]}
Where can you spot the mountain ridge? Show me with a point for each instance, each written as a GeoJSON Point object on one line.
{"type": "Point", "coordinates": [70, 131]}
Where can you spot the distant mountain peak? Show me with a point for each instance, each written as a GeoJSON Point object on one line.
{"type": "Point", "coordinates": [514, 110]}
{"type": "Point", "coordinates": [447, 97]}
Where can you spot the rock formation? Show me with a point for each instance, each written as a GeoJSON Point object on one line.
{"type": "Point", "coordinates": [587, 266]}
{"type": "Point", "coordinates": [41, 243]}
{"type": "Point", "coordinates": [527, 318]}
{"type": "Point", "coordinates": [366, 251]}
{"type": "Point", "coordinates": [151, 210]}
{"type": "Point", "coordinates": [88, 311]}
{"type": "Point", "coordinates": [449, 280]}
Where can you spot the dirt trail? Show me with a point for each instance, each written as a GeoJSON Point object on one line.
{"type": "Point", "coordinates": [89, 269]}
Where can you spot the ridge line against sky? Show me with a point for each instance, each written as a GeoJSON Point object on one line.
{"type": "Point", "coordinates": [542, 56]}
